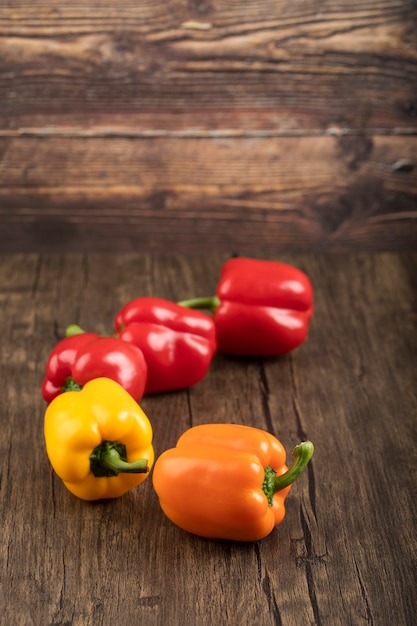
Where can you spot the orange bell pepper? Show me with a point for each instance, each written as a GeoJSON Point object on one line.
{"type": "Point", "coordinates": [227, 481]}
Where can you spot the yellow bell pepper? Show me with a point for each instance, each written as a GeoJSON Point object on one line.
{"type": "Point", "coordinates": [98, 440]}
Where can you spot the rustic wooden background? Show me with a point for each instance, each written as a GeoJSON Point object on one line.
{"type": "Point", "coordinates": [167, 128]}
{"type": "Point", "coordinates": [208, 125]}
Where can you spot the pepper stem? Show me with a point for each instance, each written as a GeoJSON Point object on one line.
{"type": "Point", "coordinates": [109, 459]}
{"type": "Point", "coordinates": [73, 329]}
{"type": "Point", "coordinates": [71, 385]}
{"type": "Point", "coordinates": [209, 302]}
{"type": "Point", "coordinates": [273, 483]}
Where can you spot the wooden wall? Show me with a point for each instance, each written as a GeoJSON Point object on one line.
{"type": "Point", "coordinates": [208, 125]}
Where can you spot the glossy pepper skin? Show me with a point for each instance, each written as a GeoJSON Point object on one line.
{"type": "Point", "coordinates": [98, 440]}
{"type": "Point", "coordinates": [178, 343]}
{"type": "Point", "coordinates": [261, 308]}
{"type": "Point", "coordinates": [227, 481]}
{"type": "Point", "coordinates": [81, 357]}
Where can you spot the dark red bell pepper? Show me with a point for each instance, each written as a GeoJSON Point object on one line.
{"type": "Point", "coordinates": [261, 308]}
{"type": "Point", "coordinates": [178, 343]}
{"type": "Point", "coordinates": [84, 356]}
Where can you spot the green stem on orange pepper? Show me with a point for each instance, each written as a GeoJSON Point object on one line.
{"type": "Point", "coordinates": [273, 483]}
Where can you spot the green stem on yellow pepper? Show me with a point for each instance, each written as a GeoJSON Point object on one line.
{"type": "Point", "coordinates": [109, 459]}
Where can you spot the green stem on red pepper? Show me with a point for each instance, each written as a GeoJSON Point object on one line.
{"type": "Point", "coordinates": [273, 483]}
{"type": "Point", "coordinates": [209, 303]}
{"type": "Point", "coordinates": [110, 459]}
{"type": "Point", "coordinates": [73, 329]}
{"type": "Point", "coordinates": [71, 385]}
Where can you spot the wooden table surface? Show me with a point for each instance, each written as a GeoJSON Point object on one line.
{"type": "Point", "coordinates": [345, 553]}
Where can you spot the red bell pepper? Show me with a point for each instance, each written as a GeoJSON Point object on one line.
{"type": "Point", "coordinates": [261, 308]}
{"type": "Point", "coordinates": [82, 357]}
{"type": "Point", "coordinates": [178, 343]}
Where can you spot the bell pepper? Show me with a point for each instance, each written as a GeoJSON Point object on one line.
{"type": "Point", "coordinates": [81, 357]}
{"type": "Point", "coordinates": [261, 308]}
{"type": "Point", "coordinates": [178, 343]}
{"type": "Point", "coordinates": [227, 481]}
{"type": "Point", "coordinates": [98, 440]}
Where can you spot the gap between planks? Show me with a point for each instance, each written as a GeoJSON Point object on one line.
{"type": "Point", "coordinates": [199, 134]}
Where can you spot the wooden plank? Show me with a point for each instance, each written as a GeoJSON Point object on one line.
{"type": "Point", "coordinates": [284, 67]}
{"type": "Point", "coordinates": [346, 551]}
{"type": "Point", "coordinates": [200, 195]}
{"type": "Point", "coordinates": [207, 127]}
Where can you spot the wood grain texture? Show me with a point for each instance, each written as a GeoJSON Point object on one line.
{"type": "Point", "coordinates": [303, 65]}
{"type": "Point", "coordinates": [195, 195]}
{"type": "Point", "coordinates": [208, 126]}
{"type": "Point", "coordinates": [345, 553]}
